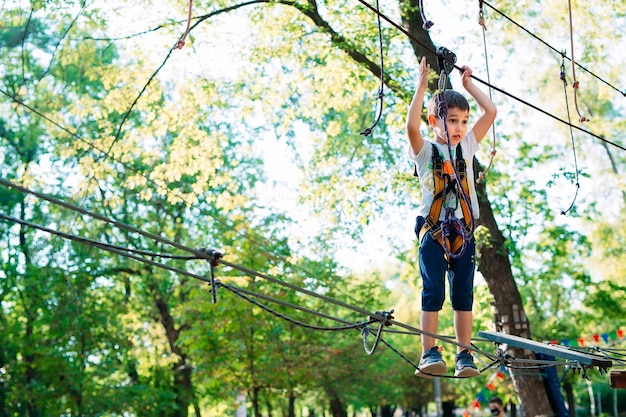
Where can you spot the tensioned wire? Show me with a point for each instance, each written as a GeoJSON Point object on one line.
{"type": "Point", "coordinates": [382, 317]}
{"type": "Point", "coordinates": [203, 255]}
{"type": "Point", "coordinates": [623, 93]}
{"type": "Point", "coordinates": [246, 295]}
{"type": "Point", "coordinates": [509, 362]}
{"type": "Point", "coordinates": [498, 89]}
{"type": "Point", "coordinates": [107, 152]}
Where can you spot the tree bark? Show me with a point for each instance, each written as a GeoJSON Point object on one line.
{"type": "Point", "coordinates": [337, 408]}
{"type": "Point", "coordinates": [183, 386]}
{"type": "Point", "coordinates": [493, 262]}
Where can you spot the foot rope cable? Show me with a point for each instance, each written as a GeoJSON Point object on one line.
{"type": "Point", "coordinates": [214, 258]}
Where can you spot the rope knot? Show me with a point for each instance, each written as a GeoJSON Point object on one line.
{"type": "Point", "coordinates": [442, 107]}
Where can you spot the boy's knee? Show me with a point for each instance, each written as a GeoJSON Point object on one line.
{"type": "Point", "coordinates": [463, 304]}
{"type": "Point", "coordinates": [432, 303]}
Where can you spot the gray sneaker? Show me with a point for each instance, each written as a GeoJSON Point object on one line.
{"type": "Point", "coordinates": [464, 365]}
{"type": "Point", "coordinates": [431, 364]}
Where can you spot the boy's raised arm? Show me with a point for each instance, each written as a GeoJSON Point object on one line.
{"type": "Point", "coordinates": [414, 117]}
{"type": "Point", "coordinates": [488, 109]}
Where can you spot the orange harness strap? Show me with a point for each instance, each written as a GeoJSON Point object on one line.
{"type": "Point", "coordinates": [441, 179]}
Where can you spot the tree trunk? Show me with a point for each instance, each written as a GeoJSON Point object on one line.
{"type": "Point", "coordinates": [337, 408]}
{"type": "Point", "coordinates": [493, 262]}
{"type": "Point", "coordinates": [183, 386]}
{"type": "Point", "coordinates": [255, 401]}
{"type": "Point", "coordinates": [292, 405]}
{"type": "Point", "coordinates": [268, 406]}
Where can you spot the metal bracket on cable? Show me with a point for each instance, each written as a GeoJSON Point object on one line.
{"type": "Point", "coordinates": [365, 331]}
{"type": "Point", "coordinates": [214, 256]}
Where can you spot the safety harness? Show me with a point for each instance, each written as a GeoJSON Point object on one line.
{"type": "Point", "coordinates": [445, 184]}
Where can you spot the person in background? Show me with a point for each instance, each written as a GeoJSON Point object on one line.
{"type": "Point", "coordinates": [496, 407]}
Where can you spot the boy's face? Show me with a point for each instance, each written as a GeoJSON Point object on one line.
{"type": "Point", "coordinates": [456, 119]}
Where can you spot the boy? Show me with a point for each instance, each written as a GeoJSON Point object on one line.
{"type": "Point", "coordinates": [433, 258]}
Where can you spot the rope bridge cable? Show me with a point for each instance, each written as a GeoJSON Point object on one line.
{"type": "Point", "coordinates": [201, 254]}
{"type": "Point", "coordinates": [240, 292]}
{"type": "Point", "coordinates": [246, 294]}
{"type": "Point", "coordinates": [428, 48]}
{"type": "Point", "coordinates": [104, 246]}
{"type": "Point", "coordinates": [623, 93]}
{"type": "Point", "coordinates": [266, 251]}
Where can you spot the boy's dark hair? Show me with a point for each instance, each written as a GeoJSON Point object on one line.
{"type": "Point", "coordinates": [496, 400]}
{"type": "Point", "coordinates": [452, 98]}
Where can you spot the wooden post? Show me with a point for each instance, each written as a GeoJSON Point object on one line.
{"type": "Point", "coordinates": [618, 379]}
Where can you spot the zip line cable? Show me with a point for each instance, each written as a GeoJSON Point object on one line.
{"type": "Point", "coordinates": [623, 93]}
{"type": "Point", "coordinates": [545, 112]}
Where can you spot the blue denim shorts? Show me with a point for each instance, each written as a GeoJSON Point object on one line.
{"type": "Point", "coordinates": [433, 268]}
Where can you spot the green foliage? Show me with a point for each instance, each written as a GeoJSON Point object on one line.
{"type": "Point", "coordinates": [179, 153]}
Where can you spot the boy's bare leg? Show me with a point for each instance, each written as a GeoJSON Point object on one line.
{"type": "Point", "coordinates": [429, 323]}
{"type": "Point", "coordinates": [463, 328]}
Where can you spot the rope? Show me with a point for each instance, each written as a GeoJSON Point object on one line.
{"type": "Point", "coordinates": [506, 93]}
{"type": "Point", "coordinates": [103, 246]}
{"type": "Point", "coordinates": [481, 22]}
{"type": "Point", "coordinates": [451, 222]}
{"type": "Point", "coordinates": [384, 317]}
{"type": "Point", "coordinates": [575, 84]}
{"type": "Point", "coordinates": [563, 78]}
{"type": "Point", "coordinates": [203, 255]}
{"type": "Point", "coordinates": [427, 23]}
{"type": "Point", "coordinates": [623, 93]}
{"type": "Point", "coordinates": [381, 94]}
{"type": "Point", "coordinates": [181, 41]}
{"type": "Point", "coordinates": [240, 292]}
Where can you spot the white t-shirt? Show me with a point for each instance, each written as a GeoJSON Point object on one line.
{"type": "Point", "coordinates": [469, 146]}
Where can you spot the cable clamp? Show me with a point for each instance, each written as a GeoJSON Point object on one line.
{"type": "Point", "coordinates": [386, 315]}
{"type": "Point", "coordinates": [214, 256]}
